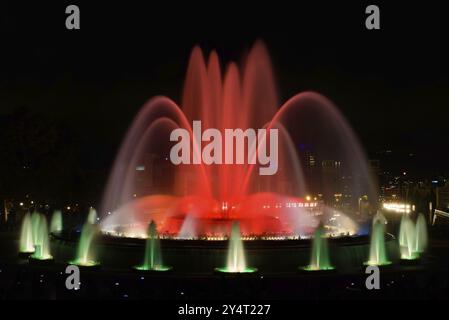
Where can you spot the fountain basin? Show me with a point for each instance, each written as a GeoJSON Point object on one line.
{"type": "Point", "coordinates": [25, 255]}
{"type": "Point", "coordinates": [416, 260]}
{"type": "Point", "coordinates": [202, 256]}
{"type": "Point", "coordinates": [41, 261]}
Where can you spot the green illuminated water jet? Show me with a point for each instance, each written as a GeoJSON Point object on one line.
{"type": "Point", "coordinates": [319, 259]}
{"type": "Point", "coordinates": [153, 258]}
{"type": "Point", "coordinates": [421, 236]}
{"type": "Point", "coordinates": [377, 252]}
{"type": "Point", "coordinates": [35, 218]}
{"type": "Point", "coordinates": [42, 244]}
{"type": "Point", "coordinates": [26, 244]}
{"type": "Point", "coordinates": [379, 217]}
{"type": "Point", "coordinates": [407, 239]}
{"type": "Point", "coordinates": [92, 216]}
{"type": "Point", "coordinates": [236, 262]}
{"type": "Point", "coordinates": [56, 222]}
{"type": "Point", "coordinates": [85, 255]}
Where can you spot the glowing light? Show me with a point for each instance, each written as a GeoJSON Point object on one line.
{"type": "Point", "coordinates": [397, 207]}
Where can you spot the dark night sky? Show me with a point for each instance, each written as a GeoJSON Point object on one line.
{"type": "Point", "coordinates": [391, 84]}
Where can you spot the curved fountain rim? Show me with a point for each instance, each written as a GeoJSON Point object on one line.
{"type": "Point", "coordinates": [114, 241]}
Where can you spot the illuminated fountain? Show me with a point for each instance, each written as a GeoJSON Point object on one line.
{"type": "Point", "coordinates": [236, 260]}
{"type": "Point", "coordinates": [319, 259]}
{"type": "Point", "coordinates": [92, 216]}
{"type": "Point", "coordinates": [56, 221]}
{"type": "Point", "coordinates": [201, 201]}
{"type": "Point", "coordinates": [153, 258]}
{"type": "Point", "coordinates": [379, 217]}
{"type": "Point", "coordinates": [412, 238]}
{"type": "Point", "coordinates": [26, 245]}
{"type": "Point", "coordinates": [85, 255]}
{"type": "Point", "coordinates": [421, 235]}
{"type": "Point", "coordinates": [407, 239]}
{"type": "Point", "coordinates": [35, 218]}
{"type": "Point", "coordinates": [42, 244]}
{"type": "Point", "coordinates": [377, 250]}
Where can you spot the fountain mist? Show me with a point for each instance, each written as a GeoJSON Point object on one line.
{"type": "Point", "coordinates": [421, 234]}
{"type": "Point", "coordinates": [56, 221]}
{"type": "Point", "coordinates": [92, 216]}
{"type": "Point", "coordinates": [26, 244]}
{"type": "Point", "coordinates": [242, 97]}
{"type": "Point", "coordinates": [407, 238]}
{"type": "Point", "coordinates": [42, 244]}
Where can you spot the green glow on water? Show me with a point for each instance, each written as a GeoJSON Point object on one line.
{"type": "Point", "coordinates": [412, 256]}
{"type": "Point", "coordinates": [312, 268]}
{"type": "Point", "coordinates": [153, 258]}
{"type": "Point", "coordinates": [26, 244]}
{"type": "Point", "coordinates": [85, 252]}
{"type": "Point", "coordinates": [375, 263]}
{"type": "Point", "coordinates": [226, 270]}
{"type": "Point", "coordinates": [319, 259]}
{"type": "Point", "coordinates": [84, 263]}
{"type": "Point", "coordinates": [56, 221]}
{"type": "Point", "coordinates": [42, 243]}
{"type": "Point", "coordinates": [155, 268]}
{"type": "Point", "coordinates": [377, 252]}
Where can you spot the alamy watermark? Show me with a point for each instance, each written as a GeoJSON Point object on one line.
{"type": "Point", "coordinates": [185, 152]}
{"type": "Point", "coordinates": [73, 281]}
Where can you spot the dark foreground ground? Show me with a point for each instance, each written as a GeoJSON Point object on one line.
{"type": "Point", "coordinates": [429, 280]}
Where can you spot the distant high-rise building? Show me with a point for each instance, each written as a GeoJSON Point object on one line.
{"type": "Point", "coordinates": [331, 171]}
